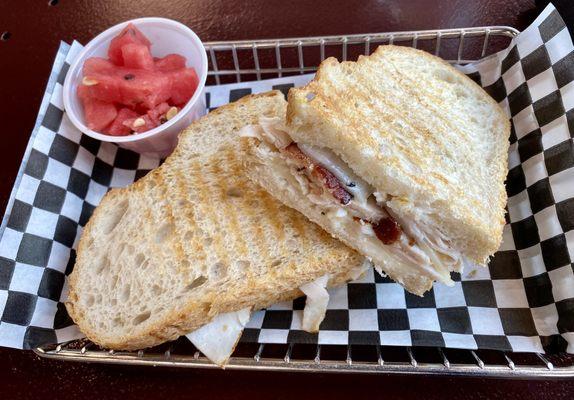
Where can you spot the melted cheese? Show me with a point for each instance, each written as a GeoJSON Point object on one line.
{"type": "Point", "coordinates": [326, 158]}
{"type": "Point", "coordinates": [364, 205]}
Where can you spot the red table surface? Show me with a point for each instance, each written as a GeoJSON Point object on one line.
{"type": "Point", "coordinates": [36, 28]}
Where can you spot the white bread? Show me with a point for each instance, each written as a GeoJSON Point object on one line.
{"type": "Point", "coordinates": [414, 127]}
{"type": "Point", "coordinates": [193, 239]}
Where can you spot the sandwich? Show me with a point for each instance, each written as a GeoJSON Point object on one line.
{"type": "Point", "coordinates": [195, 246]}
{"type": "Point", "coordinates": [398, 155]}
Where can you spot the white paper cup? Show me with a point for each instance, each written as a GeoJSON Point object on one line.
{"type": "Point", "coordinates": [167, 36]}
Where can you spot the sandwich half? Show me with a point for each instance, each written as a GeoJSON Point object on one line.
{"type": "Point", "coordinates": [195, 241]}
{"type": "Point", "coordinates": [398, 155]}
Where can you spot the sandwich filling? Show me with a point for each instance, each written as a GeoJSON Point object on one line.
{"type": "Point", "coordinates": [328, 182]}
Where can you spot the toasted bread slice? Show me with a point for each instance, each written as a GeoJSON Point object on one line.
{"type": "Point", "coordinates": [415, 128]}
{"type": "Point", "coordinates": [427, 144]}
{"type": "Point", "coordinates": [193, 239]}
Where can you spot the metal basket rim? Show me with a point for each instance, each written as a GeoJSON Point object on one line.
{"type": "Point", "coordinates": [167, 359]}
{"type": "Point", "coordinates": [496, 29]}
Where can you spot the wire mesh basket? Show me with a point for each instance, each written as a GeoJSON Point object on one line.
{"type": "Point", "coordinates": [272, 58]}
{"type": "Point", "coordinates": [263, 59]}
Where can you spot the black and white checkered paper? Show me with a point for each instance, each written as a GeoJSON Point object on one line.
{"type": "Point", "coordinates": [524, 300]}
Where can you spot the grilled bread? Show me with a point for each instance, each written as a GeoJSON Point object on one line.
{"type": "Point", "coordinates": [193, 239]}
{"type": "Point", "coordinates": [428, 142]}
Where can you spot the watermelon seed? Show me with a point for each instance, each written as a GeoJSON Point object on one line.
{"type": "Point", "coordinates": [129, 77]}
{"type": "Point", "coordinates": [5, 36]}
{"type": "Point", "coordinates": [89, 82]}
{"type": "Point", "coordinates": [171, 113]}
{"type": "Point", "coordinates": [138, 122]}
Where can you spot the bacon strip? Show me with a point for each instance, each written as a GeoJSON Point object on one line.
{"type": "Point", "coordinates": [330, 181]}
{"type": "Point", "coordinates": [387, 229]}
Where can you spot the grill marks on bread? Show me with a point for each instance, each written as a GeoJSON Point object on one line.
{"type": "Point", "coordinates": [414, 127]}
{"type": "Point", "coordinates": [195, 238]}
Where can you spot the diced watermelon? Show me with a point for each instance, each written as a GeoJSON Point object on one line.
{"type": "Point", "coordinates": [157, 113]}
{"type": "Point", "coordinates": [129, 87]}
{"type": "Point", "coordinates": [102, 87]}
{"type": "Point", "coordinates": [183, 85]}
{"type": "Point", "coordinates": [97, 65]}
{"type": "Point", "coordinates": [137, 55]}
{"type": "Point", "coordinates": [117, 128]}
{"type": "Point", "coordinates": [130, 34]}
{"type": "Point", "coordinates": [82, 93]}
{"type": "Point", "coordinates": [171, 62]}
{"type": "Point", "coordinates": [148, 124]}
{"type": "Point", "coordinates": [146, 87]}
{"type": "Point", "coordinates": [143, 88]}
{"type": "Point", "coordinates": [140, 109]}
{"type": "Point", "coordinates": [98, 114]}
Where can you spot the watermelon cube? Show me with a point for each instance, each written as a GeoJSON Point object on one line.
{"type": "Point", "coordinates": [97, 65]}
{"type": "Point", "coordinates": [183, 85]}
{"type": "Point", "coordinates": [146, 87]}
{"type": "Point", "coordinates": [157, 114]}
{"type": "Point", "coordinates": [98, 114]}
{"type": "Point", "coordinates": [140, 109]}
{"type": "Point", "coordinates": [118, 128]}
{"type": "Point", "coordinates": [130, 34]}
{"type": "Point", "coordinates": [171, 62]}
{"type": "Point", "coordinates": [82, 93]}
{"type": "Point", "coordinates": [103, 87]}
{"type": "Point", "coordinates": [129, 87]}
{"type": "Point", "coordinates": [135, 123]}
{"type": "Point", "coordinates": [137, 55]}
